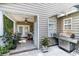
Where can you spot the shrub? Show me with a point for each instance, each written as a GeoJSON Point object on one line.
{"type": "Point", "coordinates": [3, 50]}
{"type": "Point", "coordinates": [10, 44]}
{"type": "Point", "coordinates": [45, 42]}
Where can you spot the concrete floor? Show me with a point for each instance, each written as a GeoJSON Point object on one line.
{"type": "Point", "coordinates": [24, 45]}
{"type": "Point", "coordinates": [52, 51]}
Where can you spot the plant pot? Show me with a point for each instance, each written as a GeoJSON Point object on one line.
{"type": "Point", "coordinates": [44, 49]}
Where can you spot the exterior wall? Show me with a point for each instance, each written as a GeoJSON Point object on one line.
{"type": "Point", "coordinates": [32, 8]}
{"type": "Point", "coordinates": [75, 24]}
{"type": "Point", "coordinates": [43, 10]}
{"type": "Point", "coordinates": [59, 25]}
{"type": "Point", "coordinates": [1, 23]}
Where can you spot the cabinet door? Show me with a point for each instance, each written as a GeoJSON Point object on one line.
{"type": "Point", "coordinates": [64, 44]}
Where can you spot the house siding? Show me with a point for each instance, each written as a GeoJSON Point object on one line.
{"type": "Point", "coordinates": [75, 24]}
{"type": "Point", "coordinates": [43, 10]}
{"type": "Point", "coordinates": [32, 8]}
{"type": "Point", "coordinates": [59, 25]}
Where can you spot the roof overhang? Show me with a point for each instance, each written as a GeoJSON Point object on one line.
{"type": "Point", "coordinates": [67, 13]}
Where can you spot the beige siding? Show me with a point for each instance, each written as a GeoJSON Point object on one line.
{"type": "Point", "coordinates": [59, 25]}
{"type": "Point", "coordinates": [75, 24]}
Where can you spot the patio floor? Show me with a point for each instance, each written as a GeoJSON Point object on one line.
{"type": "Point", "coordinates": [23, 47]}
{"type": "Point", "coordinates": [53, 51]}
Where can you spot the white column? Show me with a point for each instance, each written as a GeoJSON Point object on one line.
{"type": "Point", "coordinates": [1, 24]}
{"type": "Point", "coordinates": [36, 32]}
{"type": "Point", "coordinates": [14, 27]}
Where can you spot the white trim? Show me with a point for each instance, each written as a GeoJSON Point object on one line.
{"type": "Point", "coordinates": [38, 32]}
{"type": "Point", "coordinates": [48, 27]}
{"type": "Point", "coordinates": [14, 27]}
{"type": "Point", "coordinates": [1, 24]}
{"type": "Point", "coordinates": [66, 24]}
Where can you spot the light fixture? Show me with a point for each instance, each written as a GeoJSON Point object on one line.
{"type": "Point", "coordinates": [26, 20]}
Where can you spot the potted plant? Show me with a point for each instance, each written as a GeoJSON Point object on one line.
{"type": "Point", "coordinates": [45, 44]}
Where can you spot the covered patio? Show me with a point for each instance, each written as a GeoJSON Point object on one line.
{"type": "Point", "coordinates": [26, 26]}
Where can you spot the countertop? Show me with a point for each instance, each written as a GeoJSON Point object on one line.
{"type": "Point", "coordinates": [69, 39]}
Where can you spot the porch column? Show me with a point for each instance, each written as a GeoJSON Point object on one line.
{"type": "Point", "coordinates": [14, 27]}
{"type": "Point", "coordinates": [36, 32]}
{"type": "Point", "coordinates": [1, 24]}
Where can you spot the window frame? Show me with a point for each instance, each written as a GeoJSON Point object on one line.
{"type": "Point", "coordinates": [64, 25]}
{"type": "Point", "coordinates": [53, 24]}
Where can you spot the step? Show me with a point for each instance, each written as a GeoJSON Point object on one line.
{"type": "Point", "coordinates": [26, 50]}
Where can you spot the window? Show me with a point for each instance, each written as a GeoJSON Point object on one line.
{"type": "Point", "coordinates": [20, 30]}
{"type": "Point", "coordinates": [52, 27]}
{"type": "Point", "coordinates": [67, 23]}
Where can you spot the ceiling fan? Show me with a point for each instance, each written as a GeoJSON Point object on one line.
{"type": "Point", "coordinates": [26, 21]}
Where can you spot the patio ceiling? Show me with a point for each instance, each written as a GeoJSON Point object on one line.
{"type": "Point", "coordinates": [20, 17]}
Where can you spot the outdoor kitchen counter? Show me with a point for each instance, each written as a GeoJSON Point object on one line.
{"type": "Point", "coordinates": [69, 39]}
{"type": "Point", "coordinates": [67, 44]}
